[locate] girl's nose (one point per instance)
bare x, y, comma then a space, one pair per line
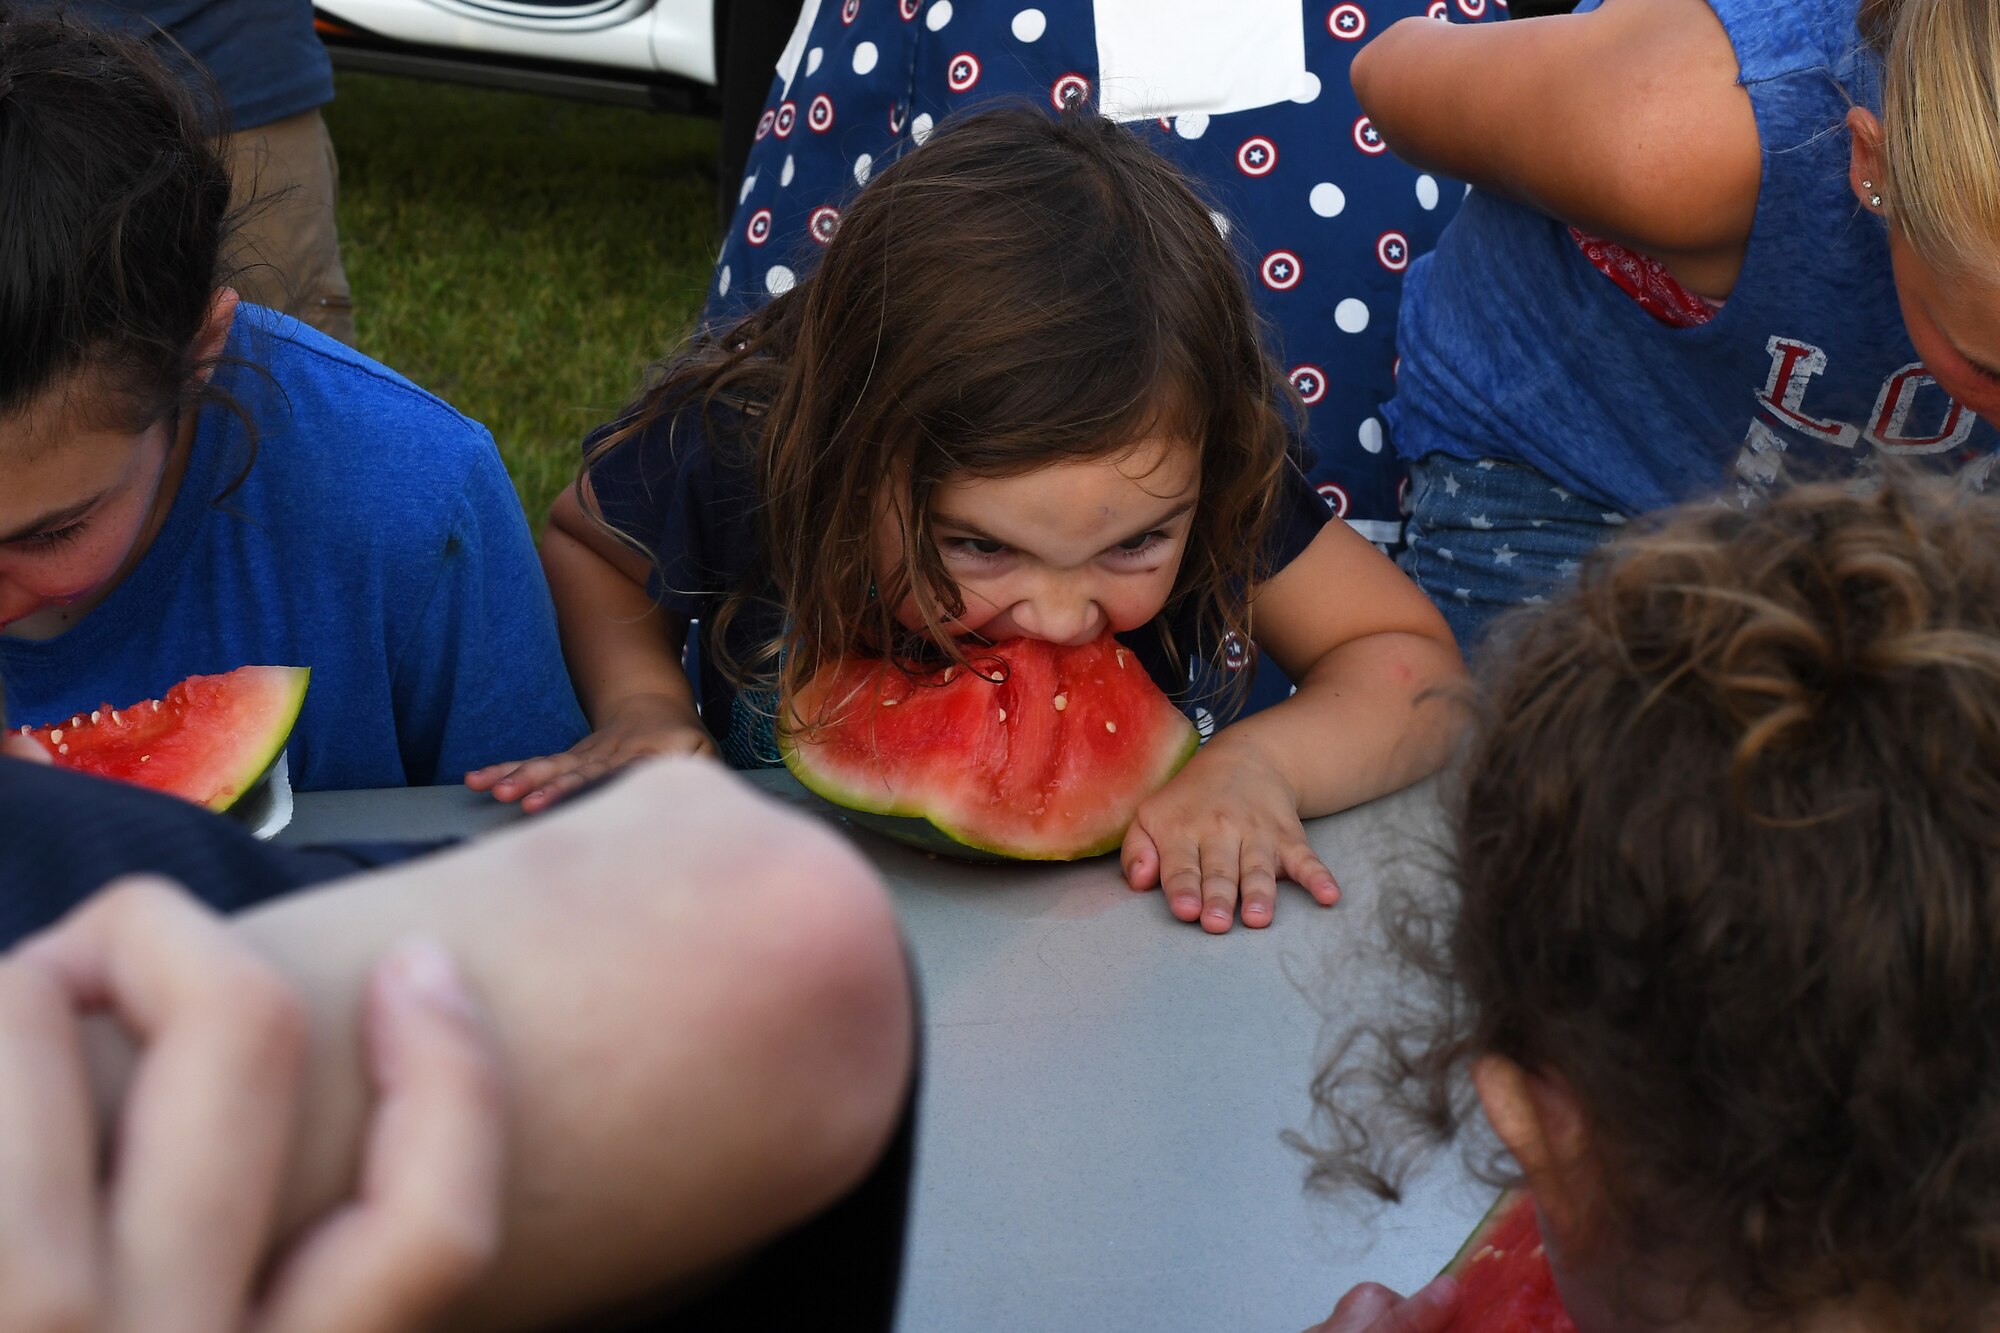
1067, 621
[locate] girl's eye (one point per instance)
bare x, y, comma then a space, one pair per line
45, 541
1143, 544
977, 547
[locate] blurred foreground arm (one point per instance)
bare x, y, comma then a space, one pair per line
701, 1013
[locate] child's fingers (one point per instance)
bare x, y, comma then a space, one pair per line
531, 775
1429, 1311
1258, 882
48, 1242
425, 1221
564, 784
1219, 869
207, 1121
1139, 858
1305, 869
1180, 876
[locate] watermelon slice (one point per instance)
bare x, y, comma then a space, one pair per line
1035, 753
1504, 1281
208, 740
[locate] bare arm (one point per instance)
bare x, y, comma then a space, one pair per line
624, 656
701, 1012
1626, 121
1367, 651
1374, 664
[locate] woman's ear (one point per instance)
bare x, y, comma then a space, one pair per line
214, 335
1539, 1121
1864, 164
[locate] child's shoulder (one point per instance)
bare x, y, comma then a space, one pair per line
347, 448
300, 385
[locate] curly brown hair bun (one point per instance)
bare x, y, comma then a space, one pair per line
1729, 844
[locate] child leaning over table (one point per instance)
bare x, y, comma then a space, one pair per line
1723, 971
1022, 395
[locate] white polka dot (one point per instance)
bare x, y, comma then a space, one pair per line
920, 129
779, 280
1191, 126
1371, 433
1221, 221
1029, 25
813, 57
749, 184
1351, 315
865, 56
1327, 199
939, 16
863, 166
722, 281
1427, 192
1308, 90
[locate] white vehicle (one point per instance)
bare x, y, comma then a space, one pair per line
660, 53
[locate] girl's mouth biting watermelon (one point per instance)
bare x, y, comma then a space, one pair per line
1034, 751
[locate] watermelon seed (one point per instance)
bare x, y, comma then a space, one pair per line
1121, 659
76, 721
1110, 725
890, 703
56, 735
144, 757
156, 705
96, 716
1003, 715
117, 719
1062, 702
62, 749
1484, 1250
949, 672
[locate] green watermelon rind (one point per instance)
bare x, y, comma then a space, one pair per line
283, 720
1489, 1223
910, 825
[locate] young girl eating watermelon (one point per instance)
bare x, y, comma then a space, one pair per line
1021, 394
1722, 970
189, 484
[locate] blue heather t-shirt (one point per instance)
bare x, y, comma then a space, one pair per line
264, 56
375, 538
693, 506
1515, 348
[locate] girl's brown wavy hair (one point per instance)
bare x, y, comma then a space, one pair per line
1729, 849
1023, 290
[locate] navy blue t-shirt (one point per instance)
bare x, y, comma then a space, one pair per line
67, 835
264, 56
693, 506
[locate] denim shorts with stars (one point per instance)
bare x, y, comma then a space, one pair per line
1484, 537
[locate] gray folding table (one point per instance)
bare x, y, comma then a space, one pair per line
1105, 1086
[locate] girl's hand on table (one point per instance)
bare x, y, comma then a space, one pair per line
162, 1219
1227, 827
1373, 1308
636, 728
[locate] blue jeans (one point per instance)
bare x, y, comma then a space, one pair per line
1486, 537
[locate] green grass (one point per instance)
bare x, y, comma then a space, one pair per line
522, 257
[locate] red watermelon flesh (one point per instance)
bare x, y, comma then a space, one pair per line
1504, 1281
1034, 752
207, 740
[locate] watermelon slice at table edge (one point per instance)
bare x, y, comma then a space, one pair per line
1504, 1281
208, 740
1035, 752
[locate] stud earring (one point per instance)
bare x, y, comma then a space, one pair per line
1874, 199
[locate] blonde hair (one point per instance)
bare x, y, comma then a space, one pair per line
1941, 127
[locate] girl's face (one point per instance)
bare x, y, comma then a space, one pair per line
1063, 552
78, 503
1955, 327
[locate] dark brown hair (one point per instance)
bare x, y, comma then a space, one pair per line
112, 219
1022, 290
1729, 849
